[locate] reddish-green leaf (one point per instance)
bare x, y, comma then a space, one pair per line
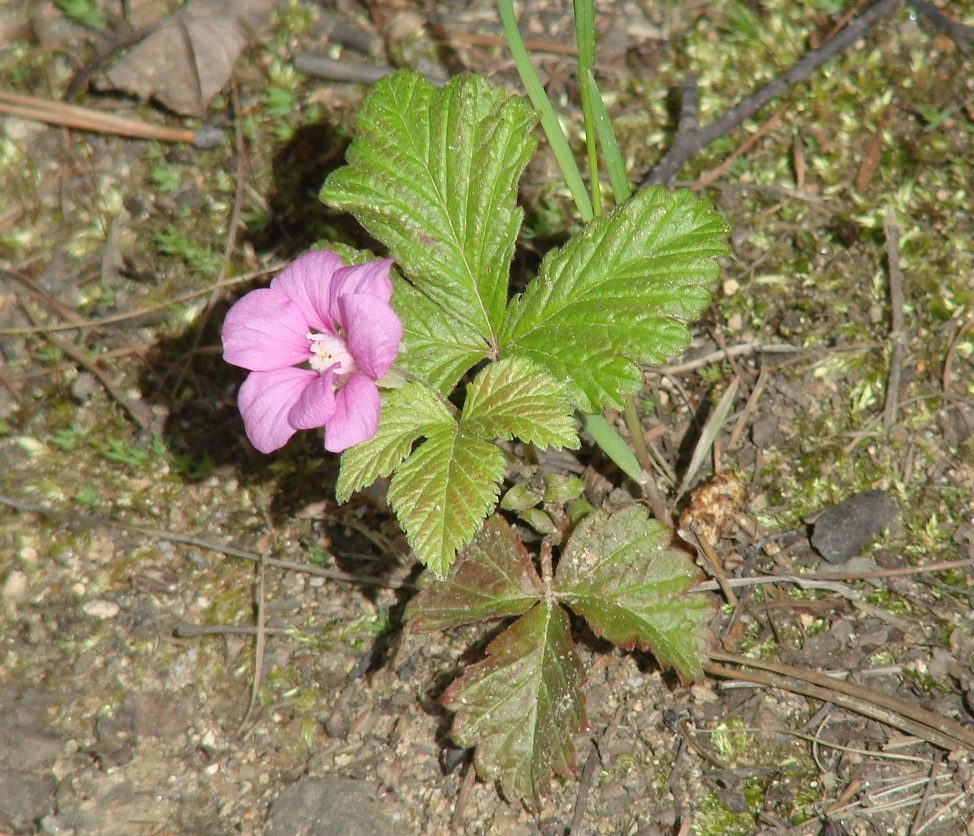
522, 704
492, 578
620, 573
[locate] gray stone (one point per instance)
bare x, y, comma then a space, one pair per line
24, 799
843, 529
330, 806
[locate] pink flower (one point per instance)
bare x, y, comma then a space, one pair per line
315, 342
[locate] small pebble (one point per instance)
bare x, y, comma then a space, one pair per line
843, 529
101, 609
15, 587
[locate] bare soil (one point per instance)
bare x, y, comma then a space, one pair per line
132, 510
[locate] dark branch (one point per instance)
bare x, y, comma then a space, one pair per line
689, 143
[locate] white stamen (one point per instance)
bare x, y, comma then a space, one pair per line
329, 350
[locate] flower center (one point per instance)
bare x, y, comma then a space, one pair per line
329, 350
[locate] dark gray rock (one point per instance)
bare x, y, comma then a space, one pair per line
330, 806
28, 750
843, 529
24, 799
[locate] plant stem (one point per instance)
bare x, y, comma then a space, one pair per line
654, 496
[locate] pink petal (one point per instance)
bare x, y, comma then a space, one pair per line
265, 330
265, 399
356, 415
370, 279
309, 281
316, 404
373, 332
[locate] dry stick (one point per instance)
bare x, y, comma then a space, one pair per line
199, 542
949, 357
927, 792
897, 334
588, 772
895, 712
688, 142
731, 351
944, 566
86, 119
957, 799
962, 35
193, 631
49, 301
469, 778
125, 317
231, 242
82, 359
259, 646
708, 177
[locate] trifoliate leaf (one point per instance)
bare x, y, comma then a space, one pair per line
433, 348
433, 175
409, 412
522, 704
514, 398
617, 295
492, 578
621, 575
443, 491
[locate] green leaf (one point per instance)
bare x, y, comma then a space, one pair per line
433, 175
492, 578
409, 412
621, 575
514, 398
433, 348
522, 704
617, 295
443, 492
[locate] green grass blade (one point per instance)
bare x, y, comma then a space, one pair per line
621, 189
613, 445
549, 121
585, 39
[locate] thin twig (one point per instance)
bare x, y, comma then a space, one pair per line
231, 242
962, 35
897, 335
259, 645
894, 712
463, 797
148, 309
915, 826
949, 356
86, 119
700, 539
90, 364
954, 801
688, 143
193, 631
798, 580
741, 350
587, 781
199, 542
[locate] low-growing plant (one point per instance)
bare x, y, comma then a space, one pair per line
433, 374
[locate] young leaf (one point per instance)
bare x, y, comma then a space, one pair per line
514, 398
407, 413
493, 578
433, 175
522, 704
622, 576
617, 295
443, 491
